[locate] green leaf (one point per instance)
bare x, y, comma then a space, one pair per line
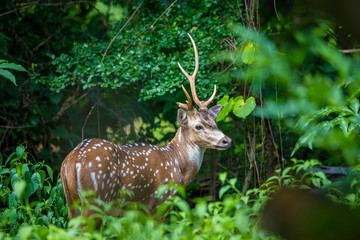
14, 179
12, 200
25, 232
242, 110
20, 151
248, 54
308, 137
351, 197
344, 124
19, 188
13, 66
50, 172
223, 101
161, 190
161, 210
222, 177
233, 181
354, 105
182, 205
181, 190
225, 111
9, 158
34, 185
8, 75
223, 190
25, 173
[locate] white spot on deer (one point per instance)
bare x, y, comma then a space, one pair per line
166, 180
171, 174
98, 159
92, 174
104, 176
78, 184
89, 164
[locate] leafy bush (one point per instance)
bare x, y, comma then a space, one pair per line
27, 193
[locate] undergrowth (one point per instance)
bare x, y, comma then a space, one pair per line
33, 206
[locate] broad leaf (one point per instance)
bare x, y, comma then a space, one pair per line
19, 188
8, 75
20, 151
34, 185
242, 110
225, 111
13, 66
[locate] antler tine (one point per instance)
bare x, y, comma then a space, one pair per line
189, 105
189, 101
204, 104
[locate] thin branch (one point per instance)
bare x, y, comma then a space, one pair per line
68, 103
16, 127
103, 18
275, 8
350, 50
46, 40
225, 70
148, 28
87, 117
112, 40
32, 4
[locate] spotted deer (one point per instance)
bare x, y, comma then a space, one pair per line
107, 168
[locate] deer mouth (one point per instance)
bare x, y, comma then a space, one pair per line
223, 144
219, 147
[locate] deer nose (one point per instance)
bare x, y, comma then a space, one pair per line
225, 142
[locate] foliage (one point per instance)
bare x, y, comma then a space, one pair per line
8, 75
323, 96
151, 70
27, 193
234, 216
238, 106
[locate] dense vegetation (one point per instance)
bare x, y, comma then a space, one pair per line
71, 70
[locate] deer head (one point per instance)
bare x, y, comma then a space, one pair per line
200, 125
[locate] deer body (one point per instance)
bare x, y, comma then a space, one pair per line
107, 168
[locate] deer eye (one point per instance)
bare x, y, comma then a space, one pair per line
198, 127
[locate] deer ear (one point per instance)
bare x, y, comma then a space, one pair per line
214, 111
182, 117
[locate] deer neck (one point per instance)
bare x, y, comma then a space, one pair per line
187, 155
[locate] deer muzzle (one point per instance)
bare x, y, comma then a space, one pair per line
224, 143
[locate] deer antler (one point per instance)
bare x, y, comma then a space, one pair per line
201, 104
